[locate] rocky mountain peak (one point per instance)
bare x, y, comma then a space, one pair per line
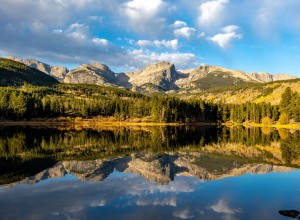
95, 67
264, 77
159, 65
93, 73
154, 77
267, 77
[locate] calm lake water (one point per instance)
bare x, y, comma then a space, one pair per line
148, 173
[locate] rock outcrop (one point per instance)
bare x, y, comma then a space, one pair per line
154, 77
206, 77
95, 73
267, 77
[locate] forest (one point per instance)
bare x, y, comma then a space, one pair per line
88, 101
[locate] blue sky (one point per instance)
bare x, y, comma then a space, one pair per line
249, 35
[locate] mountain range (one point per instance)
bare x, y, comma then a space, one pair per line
158, 77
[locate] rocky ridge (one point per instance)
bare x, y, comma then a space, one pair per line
95, 73
158, 77
266, 77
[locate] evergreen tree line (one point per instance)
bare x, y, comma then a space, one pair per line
248, 112
90, 101
286, 112
289, 106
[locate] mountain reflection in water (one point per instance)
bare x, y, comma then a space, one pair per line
148, 173
160, 168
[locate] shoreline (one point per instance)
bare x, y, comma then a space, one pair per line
99, 123
259, 125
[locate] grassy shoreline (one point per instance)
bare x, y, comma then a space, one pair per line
85, 123
260, 125
98, 122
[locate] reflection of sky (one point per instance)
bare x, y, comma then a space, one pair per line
244, 197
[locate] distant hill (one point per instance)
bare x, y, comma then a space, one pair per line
256, 92
207, 77
13, 73
267, 77
58, 72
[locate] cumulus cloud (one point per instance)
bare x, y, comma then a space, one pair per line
66, 32
100, 41
179, 24
77, 31
230, 28
222, 207
202, 34
183, 214
95, 18
224, 39
98, 203
157, 202
143, 15
212, 12
185, 32
170, 44
140, 58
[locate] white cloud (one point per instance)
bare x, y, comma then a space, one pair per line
77, 31
157, 202
185, 32
179, 24
230, 28
96, 18
57, 31
183, 214
212, 12
136, 9
140, 58
144, 15
144, 43
98, 203
171, 44
100, 41
223, 207
224, 39
202, 34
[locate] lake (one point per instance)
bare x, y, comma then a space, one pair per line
183, 172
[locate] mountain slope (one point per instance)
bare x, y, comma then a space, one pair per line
95, 73
58, 72
257, 93
13, 73
207, 77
